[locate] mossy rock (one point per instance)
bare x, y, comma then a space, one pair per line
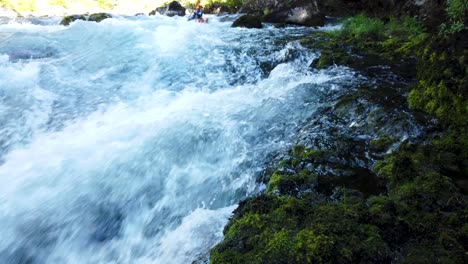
98, 17
382, 144
69, 19
421, 217
292, 184
248, 21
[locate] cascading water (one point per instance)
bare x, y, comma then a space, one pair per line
132, 140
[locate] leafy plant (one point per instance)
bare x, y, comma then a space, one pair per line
456, 12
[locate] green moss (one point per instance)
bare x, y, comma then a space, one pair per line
423, 215
308, 246
456, 11
361, 34
69, 19
442, 92
299, 232
285, 182
382, 144
422, 210
98, 17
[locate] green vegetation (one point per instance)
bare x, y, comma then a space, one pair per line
423, 215
393, 39
19, 5
382, 144
456, 11
270, 229
442, 84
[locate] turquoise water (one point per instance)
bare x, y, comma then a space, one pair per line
132, 140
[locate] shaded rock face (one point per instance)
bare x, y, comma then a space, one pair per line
174, 8
217, 10
299, 12
311, 12
431, 11
248, 21
254, 6
308, 15
69, 19
98, 17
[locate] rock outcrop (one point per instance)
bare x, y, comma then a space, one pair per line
248, 21
299, 12
312, 12
98, 17
307, 15
174, 8
69, 19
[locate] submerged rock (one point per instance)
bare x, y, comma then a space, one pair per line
29, 53
248, 21
98, 17
69, 19
174, 8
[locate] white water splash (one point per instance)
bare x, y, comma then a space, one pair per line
131, 140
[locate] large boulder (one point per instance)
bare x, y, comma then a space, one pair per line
307, 15
174, 8
248, 21
68, 19
299, 12
98, 17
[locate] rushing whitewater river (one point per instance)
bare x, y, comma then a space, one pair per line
133, 139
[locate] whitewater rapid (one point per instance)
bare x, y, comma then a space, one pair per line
133, 139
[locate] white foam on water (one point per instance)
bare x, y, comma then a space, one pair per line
132, 140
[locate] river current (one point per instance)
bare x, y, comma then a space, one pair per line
132, 140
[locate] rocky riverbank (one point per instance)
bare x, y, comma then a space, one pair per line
380, 176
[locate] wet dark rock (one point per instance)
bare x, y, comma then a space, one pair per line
430, 11
174, 8
381, 171
304, 15
69, 19
363, 181
98, 17
229, 18
29, 53
298, 12
248, 21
